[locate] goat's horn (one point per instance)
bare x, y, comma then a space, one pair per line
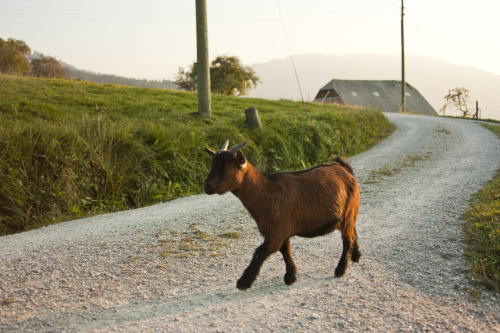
237, 147
225, 145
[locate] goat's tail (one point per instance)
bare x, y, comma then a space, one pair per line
343, 163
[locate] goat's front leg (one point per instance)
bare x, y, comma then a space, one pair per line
260, 255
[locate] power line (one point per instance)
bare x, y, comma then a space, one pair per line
291, 56
439, 55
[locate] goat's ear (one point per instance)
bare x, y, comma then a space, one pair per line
240, 158
210, 152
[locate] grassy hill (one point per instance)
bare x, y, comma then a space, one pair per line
69, 149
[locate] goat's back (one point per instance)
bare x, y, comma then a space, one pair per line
313, 200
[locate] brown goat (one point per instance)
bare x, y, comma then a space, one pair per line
307, 203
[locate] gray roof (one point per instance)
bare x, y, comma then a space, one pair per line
382, 95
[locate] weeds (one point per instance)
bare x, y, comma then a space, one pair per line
192, 242
231, 235
482, 232
397, 167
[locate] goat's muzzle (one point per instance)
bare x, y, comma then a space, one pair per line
208, 187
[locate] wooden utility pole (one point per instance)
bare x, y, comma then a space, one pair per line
403, 80
203, 65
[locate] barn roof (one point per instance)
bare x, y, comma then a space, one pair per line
382, 95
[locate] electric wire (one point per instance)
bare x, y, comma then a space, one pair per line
291, 57
439, 56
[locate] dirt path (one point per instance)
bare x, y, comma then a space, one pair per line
173, 267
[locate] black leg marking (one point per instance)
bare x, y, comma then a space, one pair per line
356, 253
291, 270
251, 272
343, 262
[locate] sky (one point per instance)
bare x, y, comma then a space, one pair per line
151, 39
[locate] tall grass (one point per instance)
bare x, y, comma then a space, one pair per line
482, 231
70, 149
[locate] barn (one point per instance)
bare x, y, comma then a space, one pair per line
382, 95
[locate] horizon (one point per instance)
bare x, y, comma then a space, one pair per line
152, 39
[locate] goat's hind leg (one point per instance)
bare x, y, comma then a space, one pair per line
355, 253
291, 269
344, 258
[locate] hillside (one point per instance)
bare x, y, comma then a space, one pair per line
79, 74
430, 76
85, 75
69, 148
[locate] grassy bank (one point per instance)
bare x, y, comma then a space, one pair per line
482, 232
69, 149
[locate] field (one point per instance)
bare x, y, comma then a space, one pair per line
70, 149
482, 232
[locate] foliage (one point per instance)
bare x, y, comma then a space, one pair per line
14, 57
227, 77
84, 75
187, 79
48, 67
482, 231
15, 60
458, 99
69, 149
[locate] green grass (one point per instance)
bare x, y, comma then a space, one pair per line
482, 232
70, 149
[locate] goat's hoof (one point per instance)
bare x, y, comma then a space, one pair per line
290, 279
339, 271
242, 288
242, 284
355, 256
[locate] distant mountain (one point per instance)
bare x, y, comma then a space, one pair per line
430, 76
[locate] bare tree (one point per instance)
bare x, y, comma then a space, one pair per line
458, 99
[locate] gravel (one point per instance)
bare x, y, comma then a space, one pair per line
174, 266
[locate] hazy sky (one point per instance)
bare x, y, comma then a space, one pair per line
152, 38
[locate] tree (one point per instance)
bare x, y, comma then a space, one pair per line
230, 77
458, 99
227, 76
14, 57
49, 67
186, 78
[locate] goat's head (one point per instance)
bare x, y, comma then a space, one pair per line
228, 169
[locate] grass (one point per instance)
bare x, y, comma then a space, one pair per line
482, 232
70, 149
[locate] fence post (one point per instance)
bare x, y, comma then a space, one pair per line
252, 118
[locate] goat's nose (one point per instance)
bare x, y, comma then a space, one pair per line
208, 187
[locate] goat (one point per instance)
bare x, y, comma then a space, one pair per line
307, 203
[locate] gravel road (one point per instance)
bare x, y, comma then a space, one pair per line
173, 266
